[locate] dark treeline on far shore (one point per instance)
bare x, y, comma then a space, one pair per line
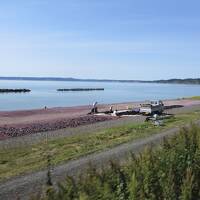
180, 81
172, 81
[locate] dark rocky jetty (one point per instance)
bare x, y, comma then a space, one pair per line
14, 90
79, 89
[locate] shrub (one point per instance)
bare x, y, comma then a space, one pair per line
171, 171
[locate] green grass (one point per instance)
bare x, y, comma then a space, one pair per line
17, 161
194, 98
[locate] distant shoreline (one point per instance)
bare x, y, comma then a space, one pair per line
169, 81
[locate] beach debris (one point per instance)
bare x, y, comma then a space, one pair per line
94, 109
124, 112
158, 122
173, 106
115, 113
159, 117
155, 120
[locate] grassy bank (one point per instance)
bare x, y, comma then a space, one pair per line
193, 98
169, 172
16, 161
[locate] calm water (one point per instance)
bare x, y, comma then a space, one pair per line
44, 93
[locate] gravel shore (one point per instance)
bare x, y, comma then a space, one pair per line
19, 123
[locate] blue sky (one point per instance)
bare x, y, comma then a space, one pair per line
117, 39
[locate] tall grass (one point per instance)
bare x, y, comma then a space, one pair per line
171, 171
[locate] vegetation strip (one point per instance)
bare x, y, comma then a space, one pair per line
194, 98
169, 172
16, 161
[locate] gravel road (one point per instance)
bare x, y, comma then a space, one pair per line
22, 187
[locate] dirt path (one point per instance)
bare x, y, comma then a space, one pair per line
24, 186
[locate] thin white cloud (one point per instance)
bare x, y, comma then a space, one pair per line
97, 46
60, 41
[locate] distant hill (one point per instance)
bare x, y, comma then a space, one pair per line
171, 81
180, 81
66, 79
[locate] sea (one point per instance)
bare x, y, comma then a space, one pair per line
44, 93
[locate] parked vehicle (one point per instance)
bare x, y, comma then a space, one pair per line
153, 107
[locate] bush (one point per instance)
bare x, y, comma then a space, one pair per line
171, 171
